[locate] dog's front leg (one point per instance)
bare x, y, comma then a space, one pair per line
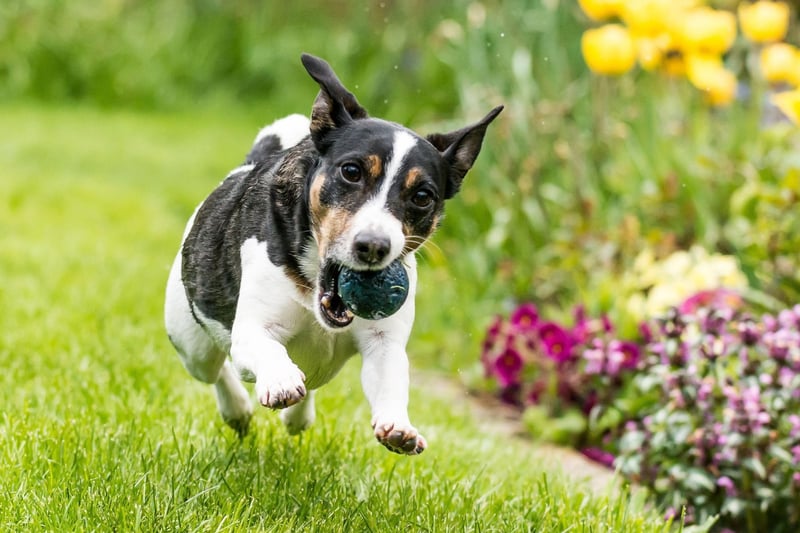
259, 357
264, 323
384, 378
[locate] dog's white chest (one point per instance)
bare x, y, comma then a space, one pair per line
318, 353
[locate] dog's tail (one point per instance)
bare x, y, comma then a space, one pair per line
280, 135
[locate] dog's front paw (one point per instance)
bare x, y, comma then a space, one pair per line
281, 388
399, 438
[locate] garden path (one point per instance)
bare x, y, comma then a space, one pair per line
491, 415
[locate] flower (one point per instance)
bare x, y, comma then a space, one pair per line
789, 104
780, 63
711, 298
507, 367
599, 456
709, 75
602, 9
764, 21
647, 17
706, 30
630, 353
727, 483
525, 316
608, 49
556, 341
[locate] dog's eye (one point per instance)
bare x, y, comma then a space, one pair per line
422, 198
351, 172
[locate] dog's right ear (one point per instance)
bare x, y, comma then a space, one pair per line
334, 107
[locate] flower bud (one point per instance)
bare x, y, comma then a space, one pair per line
608, 49
764, 21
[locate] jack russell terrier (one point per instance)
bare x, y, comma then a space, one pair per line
256, 275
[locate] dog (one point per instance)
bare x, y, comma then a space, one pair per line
252, 294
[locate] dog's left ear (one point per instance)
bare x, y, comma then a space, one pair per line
334, 107
460, 148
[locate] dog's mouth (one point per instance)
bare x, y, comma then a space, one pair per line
331, 305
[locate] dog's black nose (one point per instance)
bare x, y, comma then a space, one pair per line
371, 248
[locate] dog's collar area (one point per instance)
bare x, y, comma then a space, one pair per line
331, 305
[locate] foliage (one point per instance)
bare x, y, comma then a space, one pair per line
702, 410
720, 431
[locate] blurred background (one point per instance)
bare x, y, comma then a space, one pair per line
580, 175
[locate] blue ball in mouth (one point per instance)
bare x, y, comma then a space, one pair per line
374, 294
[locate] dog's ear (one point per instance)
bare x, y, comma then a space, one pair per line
335, 106
460, 148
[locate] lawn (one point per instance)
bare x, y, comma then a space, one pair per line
102, 429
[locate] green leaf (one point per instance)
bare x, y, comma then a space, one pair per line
756, 466
699, 480
734, 506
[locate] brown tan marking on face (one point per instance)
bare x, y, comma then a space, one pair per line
335, 222
412, 177
317, 209
374, 166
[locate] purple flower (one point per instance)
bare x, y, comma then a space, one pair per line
631, 354
795, 454
595, 359
794, 420
507, 367
727, 483
599, 456
748, 331
787, 319
557, 342
525, 317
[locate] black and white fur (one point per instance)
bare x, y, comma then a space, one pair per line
255, 278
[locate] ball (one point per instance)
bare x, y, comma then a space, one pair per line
374, 294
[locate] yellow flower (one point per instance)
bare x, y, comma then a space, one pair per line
789, 103
650, 52
764, 21
608, 49
674, 63
707, 30
647, 17
602, 9
780, 62
709, 75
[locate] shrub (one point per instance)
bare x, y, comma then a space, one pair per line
559, 373
704, 411
720, 432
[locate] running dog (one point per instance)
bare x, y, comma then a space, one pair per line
252, 294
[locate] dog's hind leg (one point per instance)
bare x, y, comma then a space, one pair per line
300, 416
202, 357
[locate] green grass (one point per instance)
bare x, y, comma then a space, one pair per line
102, 429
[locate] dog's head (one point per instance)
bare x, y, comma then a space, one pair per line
379, 189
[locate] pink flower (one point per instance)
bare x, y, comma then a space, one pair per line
557, 342
712, 298
525, 317
599, 456
631, 354
727, 483
507, 367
